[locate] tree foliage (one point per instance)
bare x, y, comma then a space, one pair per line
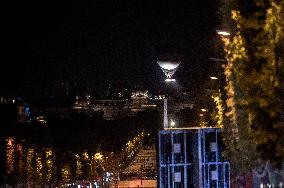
253, 83
72, 147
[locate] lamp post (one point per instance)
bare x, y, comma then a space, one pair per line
223, 33
218, 77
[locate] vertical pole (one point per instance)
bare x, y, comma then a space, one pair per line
166, 122
160, 160
224, 174
229, 175
200, 180
185, 166
141, 169
168, 163
172, 161
216, 157
204, 162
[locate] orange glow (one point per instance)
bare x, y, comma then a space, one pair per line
10, 155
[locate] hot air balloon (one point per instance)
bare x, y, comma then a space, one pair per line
169, 68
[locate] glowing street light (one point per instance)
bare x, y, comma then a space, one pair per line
213, 78
223, 33
173, 123
203, 110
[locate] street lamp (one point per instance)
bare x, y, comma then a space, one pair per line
213, 78
223, 33
173, 123
220, 63
202, 118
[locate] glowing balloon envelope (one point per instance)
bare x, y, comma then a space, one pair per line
169, 68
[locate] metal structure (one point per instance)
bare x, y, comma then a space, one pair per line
192, 157
166, 120
169, 68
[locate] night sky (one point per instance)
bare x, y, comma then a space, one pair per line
93, 43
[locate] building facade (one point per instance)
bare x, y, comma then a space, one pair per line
192, 157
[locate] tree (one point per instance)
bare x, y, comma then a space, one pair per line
252, 83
